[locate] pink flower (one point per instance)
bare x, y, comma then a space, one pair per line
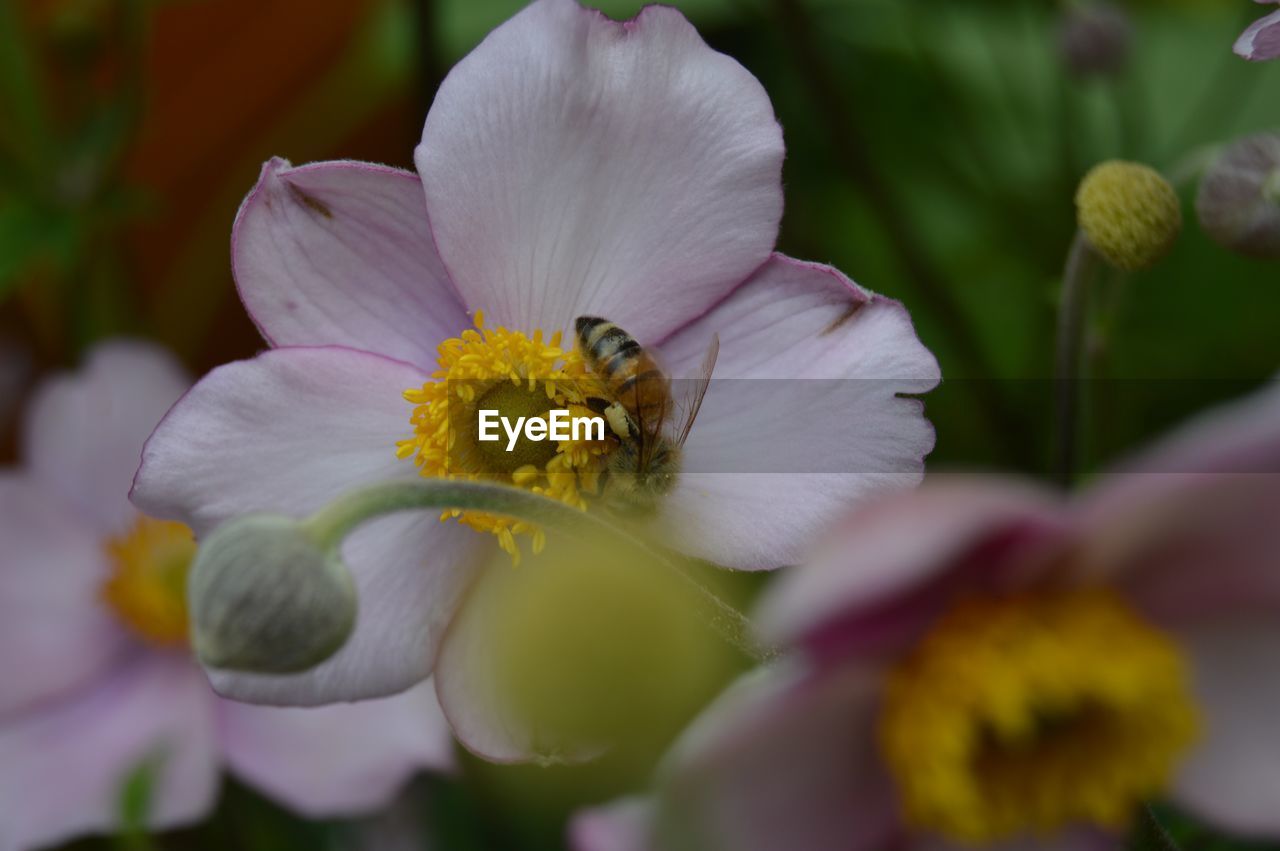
571, 165
97, 678
1261, 41
980, 662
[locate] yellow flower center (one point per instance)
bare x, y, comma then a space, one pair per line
1028, 713
517, 376
148, 584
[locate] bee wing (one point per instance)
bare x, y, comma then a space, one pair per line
695, 395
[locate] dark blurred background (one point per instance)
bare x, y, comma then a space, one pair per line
934, 147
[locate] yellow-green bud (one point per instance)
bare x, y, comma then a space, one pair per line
1129, 213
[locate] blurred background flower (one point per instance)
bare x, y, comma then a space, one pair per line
106, 722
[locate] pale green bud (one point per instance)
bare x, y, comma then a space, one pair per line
267, 597
1239, 199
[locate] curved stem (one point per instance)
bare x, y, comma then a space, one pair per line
1081, 262
332, 523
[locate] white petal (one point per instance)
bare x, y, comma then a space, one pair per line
340, 253
340, 760
575, 165
803, 418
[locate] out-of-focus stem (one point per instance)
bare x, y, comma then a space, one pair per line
1157, 837
1076, 279
332, 523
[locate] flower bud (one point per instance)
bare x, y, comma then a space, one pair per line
1239, 199
265, 597
1129, 213
1094, 39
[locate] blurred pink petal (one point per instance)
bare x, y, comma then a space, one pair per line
884, 572
341, 760
1187, 532
63, 768
1233, 776
781, 761
1261, 41
760, 481
1206, 494
307, 424
84, 431
55, 633
577, 165
340, 253
621, 825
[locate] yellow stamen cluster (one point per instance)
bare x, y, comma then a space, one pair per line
148, 584
517, 375
1028, 713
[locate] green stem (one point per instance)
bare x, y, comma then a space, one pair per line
1076, 278
332, 523
1152, 834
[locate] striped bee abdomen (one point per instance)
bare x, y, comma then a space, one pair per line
630, 373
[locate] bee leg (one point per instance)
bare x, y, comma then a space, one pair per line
620, 421
597, 405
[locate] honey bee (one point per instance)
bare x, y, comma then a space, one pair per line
641, 408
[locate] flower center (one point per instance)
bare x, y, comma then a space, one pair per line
148, 584
1032, 712
517, 376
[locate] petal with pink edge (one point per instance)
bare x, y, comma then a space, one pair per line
804, 416
340, 760
84, 430
340, 253
577, 165
55, 631
1233, 776
1189, 526
780, 761
1261, 41
884, 571
63, 768
287, 432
